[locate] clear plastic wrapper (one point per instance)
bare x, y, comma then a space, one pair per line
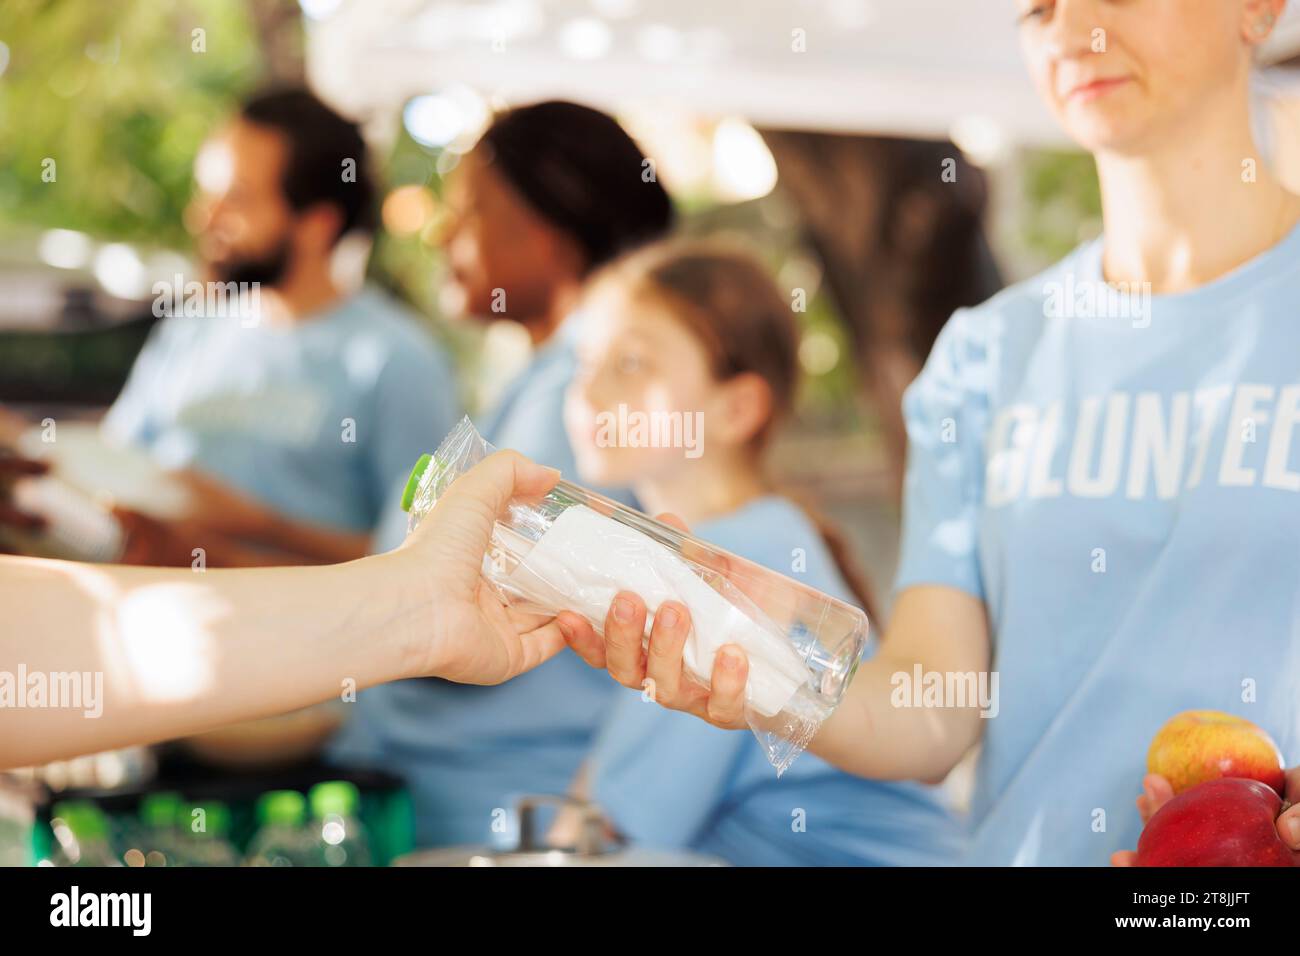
574, 549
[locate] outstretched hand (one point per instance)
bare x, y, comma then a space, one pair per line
1157, 791
476, 638
658, 669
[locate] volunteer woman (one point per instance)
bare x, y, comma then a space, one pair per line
181, 652
1103, 496
549, 193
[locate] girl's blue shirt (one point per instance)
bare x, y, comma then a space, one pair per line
669, 780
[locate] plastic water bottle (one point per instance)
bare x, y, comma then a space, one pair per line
157, 841
282, 839
205, 841
341, 837
17, 816
81, 830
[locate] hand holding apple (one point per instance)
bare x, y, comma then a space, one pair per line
1228, 822
1158, 791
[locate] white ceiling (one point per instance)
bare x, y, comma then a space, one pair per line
885, 66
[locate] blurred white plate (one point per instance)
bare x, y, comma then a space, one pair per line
82, 457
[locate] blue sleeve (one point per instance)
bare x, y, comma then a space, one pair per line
946, 413
127, 419
660, 776
416, 405
532, 419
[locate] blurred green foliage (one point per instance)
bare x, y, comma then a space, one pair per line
116, 94
1061, 202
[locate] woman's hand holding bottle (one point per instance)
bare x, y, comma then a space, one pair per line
658, 669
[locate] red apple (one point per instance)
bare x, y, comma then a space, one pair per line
1227, 822
1200, 745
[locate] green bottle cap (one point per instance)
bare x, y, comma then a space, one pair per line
161, 809
216, 820
282, 806
334, 796
83, 818
413, 483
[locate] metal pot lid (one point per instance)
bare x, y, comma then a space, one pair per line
591, 849
486, 856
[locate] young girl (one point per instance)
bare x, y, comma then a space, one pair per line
1103, 493
697, 329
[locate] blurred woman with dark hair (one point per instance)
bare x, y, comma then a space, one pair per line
550, 192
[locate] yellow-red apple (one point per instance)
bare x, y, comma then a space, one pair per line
1200, 745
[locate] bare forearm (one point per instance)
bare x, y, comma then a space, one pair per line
869, 736
176, 652
914, 709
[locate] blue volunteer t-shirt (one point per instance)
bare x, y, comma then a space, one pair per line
668, 780
320, 419
1117, 477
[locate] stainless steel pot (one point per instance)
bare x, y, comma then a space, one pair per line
591, 848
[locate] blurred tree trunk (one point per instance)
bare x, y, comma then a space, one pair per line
834, 182
902, 247
279, 29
